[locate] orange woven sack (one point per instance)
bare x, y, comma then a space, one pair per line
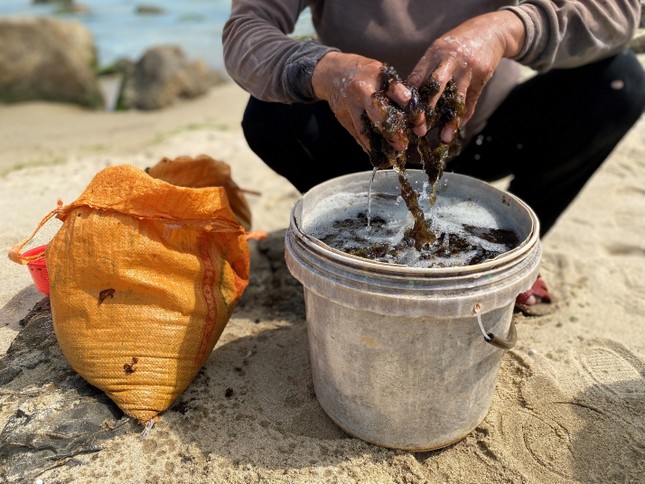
144, 276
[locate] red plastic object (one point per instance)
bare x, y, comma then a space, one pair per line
38, 269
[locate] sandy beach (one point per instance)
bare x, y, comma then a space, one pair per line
569, 404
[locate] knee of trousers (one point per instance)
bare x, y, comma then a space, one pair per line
627, 79
262, 121
252, 124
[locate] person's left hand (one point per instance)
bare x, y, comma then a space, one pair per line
468, 54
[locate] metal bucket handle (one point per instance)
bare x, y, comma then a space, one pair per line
497, 341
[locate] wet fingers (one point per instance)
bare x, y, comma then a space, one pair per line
453, 107
389, 120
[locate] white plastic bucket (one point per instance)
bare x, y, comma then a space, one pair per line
397, 353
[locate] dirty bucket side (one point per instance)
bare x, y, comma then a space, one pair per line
415, 384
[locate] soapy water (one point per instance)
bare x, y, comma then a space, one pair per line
467, 233
369, 201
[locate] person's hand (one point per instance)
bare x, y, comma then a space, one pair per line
469, 54
347, 82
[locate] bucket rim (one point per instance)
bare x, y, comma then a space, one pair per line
402, 270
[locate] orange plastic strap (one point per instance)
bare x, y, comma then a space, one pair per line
255, 235
15, 253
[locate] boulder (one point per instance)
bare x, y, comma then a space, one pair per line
48, 59
72, 9
149, 10
163, 75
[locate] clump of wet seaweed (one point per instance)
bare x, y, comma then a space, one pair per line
430, 150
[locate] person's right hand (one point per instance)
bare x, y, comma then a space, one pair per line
347, 82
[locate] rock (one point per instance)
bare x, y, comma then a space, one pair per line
122, 66
50, 415
149, 10
163, 75
48, 59
65, 6
72, 8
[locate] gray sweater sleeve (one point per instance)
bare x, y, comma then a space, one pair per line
260, 57
570, 33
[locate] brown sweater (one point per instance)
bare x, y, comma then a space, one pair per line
265, 62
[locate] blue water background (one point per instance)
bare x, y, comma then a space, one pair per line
196, 25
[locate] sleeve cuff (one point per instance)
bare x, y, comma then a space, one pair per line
299, 72
537, 32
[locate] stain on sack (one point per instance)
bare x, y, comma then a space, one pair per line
129, 367
104, 294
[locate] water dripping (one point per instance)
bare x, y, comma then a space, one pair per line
446, 242
425, 195
369, 202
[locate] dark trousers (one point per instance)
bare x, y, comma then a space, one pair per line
551, 133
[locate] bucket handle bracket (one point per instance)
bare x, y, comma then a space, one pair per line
497, 341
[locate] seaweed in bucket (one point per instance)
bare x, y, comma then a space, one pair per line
461, 244
400, 121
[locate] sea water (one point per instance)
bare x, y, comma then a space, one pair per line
467, 232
